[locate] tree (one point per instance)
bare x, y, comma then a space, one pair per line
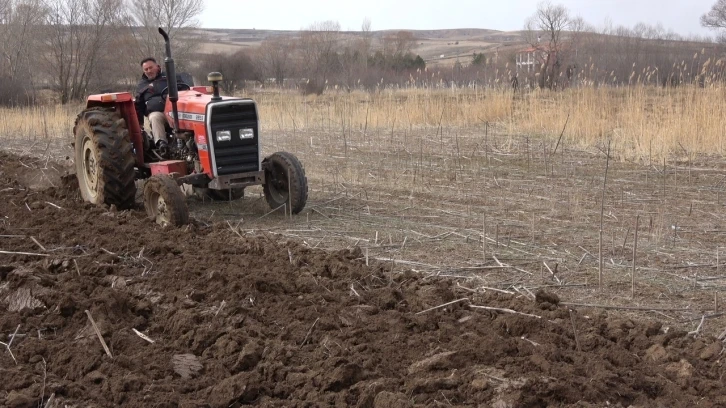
175, 17
5, 6
78, 35
545, 32
354, 56
397, 53
318, 46
398, 44
367, 37
716, 17
274, 59
397, 64
19, 24
235, 69
19, 30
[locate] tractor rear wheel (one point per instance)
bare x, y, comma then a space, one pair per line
285, 182
164, 201
104, 158
220, 195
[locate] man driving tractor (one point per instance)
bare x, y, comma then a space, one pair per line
210, 142
150, 101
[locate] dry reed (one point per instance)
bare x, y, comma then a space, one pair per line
642, 122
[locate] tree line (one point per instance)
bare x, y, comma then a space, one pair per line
571, 52
319, 57
566, 51
70, 48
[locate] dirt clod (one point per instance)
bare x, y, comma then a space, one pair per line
20, 400
186, 365
542, 296
386, 399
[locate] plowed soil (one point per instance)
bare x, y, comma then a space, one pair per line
232, 321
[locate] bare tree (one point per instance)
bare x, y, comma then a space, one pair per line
5, 19
353, 57
318, 47
365, 27
399, 43
19, 26
78, 35
235, 68
5, 12
645, 54
174, 16
20, 22
274, 59
352, 63
716, 18
546, 32
395, 55
365, 45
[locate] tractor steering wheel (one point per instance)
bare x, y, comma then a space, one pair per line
180, 86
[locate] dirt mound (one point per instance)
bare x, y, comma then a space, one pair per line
205, 317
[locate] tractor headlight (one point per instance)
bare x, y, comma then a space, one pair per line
246, 133
224, 135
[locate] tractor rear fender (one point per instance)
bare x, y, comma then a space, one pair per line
123, 103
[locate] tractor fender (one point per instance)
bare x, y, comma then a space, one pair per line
123, 103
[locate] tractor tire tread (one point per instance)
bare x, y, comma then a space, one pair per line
298, 181
116, 157
175, 201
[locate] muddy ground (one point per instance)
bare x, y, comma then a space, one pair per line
202, 316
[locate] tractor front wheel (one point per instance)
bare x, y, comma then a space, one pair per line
285, 182
104, 159
164, 201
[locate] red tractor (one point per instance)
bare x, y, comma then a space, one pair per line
214, 146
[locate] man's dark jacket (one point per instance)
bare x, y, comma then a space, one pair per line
148, 96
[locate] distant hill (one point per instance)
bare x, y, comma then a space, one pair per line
439, 48
436, 47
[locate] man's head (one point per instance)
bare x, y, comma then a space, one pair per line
150, 67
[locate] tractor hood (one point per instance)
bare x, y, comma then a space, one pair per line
194, 102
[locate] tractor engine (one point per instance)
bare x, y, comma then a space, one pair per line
182, 147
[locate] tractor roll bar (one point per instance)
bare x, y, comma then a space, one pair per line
171, 79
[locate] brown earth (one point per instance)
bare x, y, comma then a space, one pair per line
267, 321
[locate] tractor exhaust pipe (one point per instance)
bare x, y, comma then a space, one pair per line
171, 79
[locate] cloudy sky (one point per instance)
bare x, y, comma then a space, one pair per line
682, 16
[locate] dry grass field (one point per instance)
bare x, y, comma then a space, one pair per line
486, 187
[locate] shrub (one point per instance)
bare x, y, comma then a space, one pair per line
15, 93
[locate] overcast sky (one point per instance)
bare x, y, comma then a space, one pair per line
682, 16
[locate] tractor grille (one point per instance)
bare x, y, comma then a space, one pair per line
236, 155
